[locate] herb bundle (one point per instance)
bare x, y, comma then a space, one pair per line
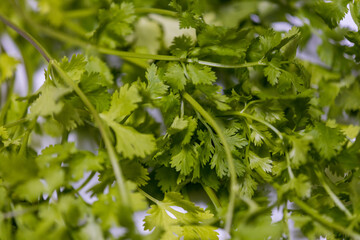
180, 100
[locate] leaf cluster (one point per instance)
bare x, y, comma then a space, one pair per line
151, 105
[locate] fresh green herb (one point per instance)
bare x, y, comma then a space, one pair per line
220, 108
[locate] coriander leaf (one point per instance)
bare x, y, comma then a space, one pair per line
155, 86
263, 45
175, 77
259, 134
326, 140
272, 72
3, 133
7, 66
185, 224
185, 128
114, 24
123, 103
215, 95
96, 65
200, 74
48, 103
69, 116
82, 162
135, 172
93, 85
130, 142
15, 169
257, 162
206, 148
178, 125
167, 178
300, 184
261, 227
30, 190
271, 111
286, 80
299, 151
248, 186
170, 107
184, 159
75, 67
328, 92
181, 46
332, 12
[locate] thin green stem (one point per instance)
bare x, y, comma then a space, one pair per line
332, 195
156, 11
125, 198
24, 144
129, 55
220, 65
286, 220
329, 224
28, 37
9, 92
88, 179
83, 13
249, 104
16, 123
148, 196
75, 41
211, 194
229, 158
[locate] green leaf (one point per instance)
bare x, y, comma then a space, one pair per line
15, 169
332, 12
167, 178
299, 152
75, 67
327, 140
49, 103
190, 224
200, 74
7, 66
93, 85
272, 72
215, 95
259, 134
258, 162
96, 65
114, 24
300, 185
129, 142
123, 103
175, 77
248, 187
184, 127
184, 159
83, 162
135, 172
30, 190
181, 45
155, 86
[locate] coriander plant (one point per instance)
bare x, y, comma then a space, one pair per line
182, 101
